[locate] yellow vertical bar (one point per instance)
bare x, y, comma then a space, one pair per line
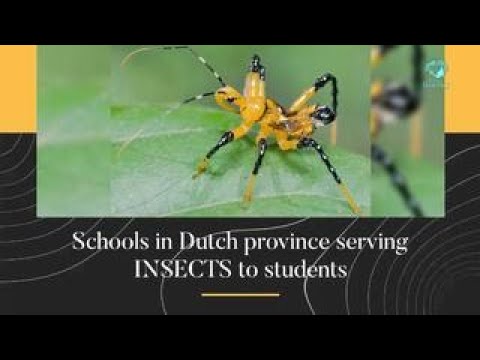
18, 88
462, 113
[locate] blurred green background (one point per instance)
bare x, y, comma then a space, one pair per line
73, 145
425, 174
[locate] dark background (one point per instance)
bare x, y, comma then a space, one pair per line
40, 274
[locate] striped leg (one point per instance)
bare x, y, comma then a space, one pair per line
226, 139
311, 143
398, 181
262, 149
202, 60
320, 83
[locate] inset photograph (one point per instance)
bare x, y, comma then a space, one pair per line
407, 130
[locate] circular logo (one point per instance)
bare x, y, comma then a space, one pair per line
436, 68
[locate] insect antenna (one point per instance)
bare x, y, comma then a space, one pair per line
135, 136
188, 101
201, 59
129, 57
313, 144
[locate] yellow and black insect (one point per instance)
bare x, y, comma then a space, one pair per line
292, 128
392, 102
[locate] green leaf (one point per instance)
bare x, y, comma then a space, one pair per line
155, 154
73, 152
73, 170
426, 182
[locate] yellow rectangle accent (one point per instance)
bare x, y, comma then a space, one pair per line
240, 295
18, 88
462, 114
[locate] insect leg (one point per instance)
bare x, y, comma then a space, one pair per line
379, 52
262, 149
311, 143
257, 67
320, 83
324, 80
398, 181
226, 139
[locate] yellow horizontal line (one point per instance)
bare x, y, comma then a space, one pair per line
240, 295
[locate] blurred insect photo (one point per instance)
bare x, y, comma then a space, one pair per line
206, 131
406, 125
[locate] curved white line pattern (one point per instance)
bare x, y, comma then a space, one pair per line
12, 148
414, 254
465, 254
428, 241
372, 273
462, 152
14, 197
430, 265
10, 211
31, 222
16, 182
51, 252
352, 267
26, 157
65, 270
435, 248
460, 275
448, 271
39, 236
21, 162
389, 272
305, 282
